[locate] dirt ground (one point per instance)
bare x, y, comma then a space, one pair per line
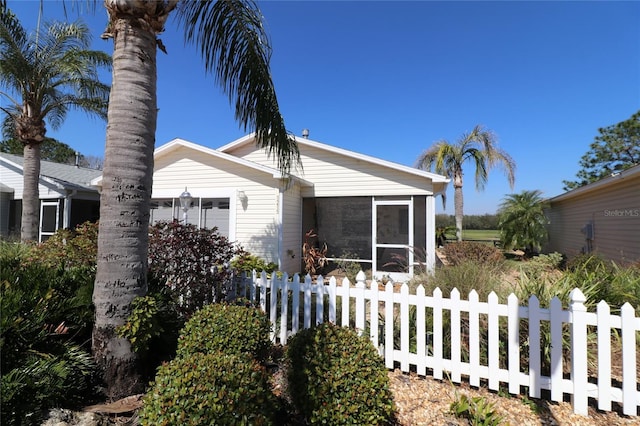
426, 401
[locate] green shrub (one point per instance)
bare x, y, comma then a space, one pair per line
246, 262
463, 251
227, 328
587, 263
13, 254
337, 377
45, 325
69, 248
191, 262
210, 389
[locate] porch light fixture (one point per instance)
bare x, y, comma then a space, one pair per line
185, 203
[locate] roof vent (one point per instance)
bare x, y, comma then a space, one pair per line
305, 133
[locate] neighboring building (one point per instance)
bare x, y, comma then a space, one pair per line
67, 197
362, 207
602, 218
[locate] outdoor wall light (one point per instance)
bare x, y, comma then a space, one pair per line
185, 203
242, 196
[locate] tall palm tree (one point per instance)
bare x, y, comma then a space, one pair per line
522, 221
479, 147
231, 38
44, 75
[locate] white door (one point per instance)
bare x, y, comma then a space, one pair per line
49, 219
392, 238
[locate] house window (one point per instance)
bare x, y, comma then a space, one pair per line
204, 212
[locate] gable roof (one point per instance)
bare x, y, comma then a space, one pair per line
598, 185
179, 143
435, 178
65, 176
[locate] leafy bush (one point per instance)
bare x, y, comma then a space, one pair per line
69, 248
337, 377
464, 251
247, 262
45, 323
226, 328
192, 262
142, 325
207, 389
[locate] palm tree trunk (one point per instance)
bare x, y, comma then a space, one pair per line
457, 201
30, 221
124, 203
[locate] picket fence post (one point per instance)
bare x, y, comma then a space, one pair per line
557, 366
388, 326
437, 334
629, 366
474, 339
535, 363
295, 304
604, 356
493, 322
579, 351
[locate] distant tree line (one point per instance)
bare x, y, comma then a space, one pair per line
484, 221
55, 151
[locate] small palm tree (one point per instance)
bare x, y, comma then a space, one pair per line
479, 147
43, 75
522, 221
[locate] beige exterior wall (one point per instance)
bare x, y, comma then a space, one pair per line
255, 218
292, 230
335, 175
614, 212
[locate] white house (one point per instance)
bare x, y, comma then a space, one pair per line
67, 197
364, 208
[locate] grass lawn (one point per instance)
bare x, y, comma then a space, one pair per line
480, 234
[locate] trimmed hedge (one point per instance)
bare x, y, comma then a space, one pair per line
337, 377
210, 389
222, 327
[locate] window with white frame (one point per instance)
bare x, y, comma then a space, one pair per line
204, 212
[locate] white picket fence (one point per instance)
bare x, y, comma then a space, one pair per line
297, 304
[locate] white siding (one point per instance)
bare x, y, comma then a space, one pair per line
292, 230
210, 177
12, 177
335, 175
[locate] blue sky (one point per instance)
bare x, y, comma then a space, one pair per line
388, 79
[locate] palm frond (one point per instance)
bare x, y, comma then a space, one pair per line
236, 49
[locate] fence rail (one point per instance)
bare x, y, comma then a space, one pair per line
486, 341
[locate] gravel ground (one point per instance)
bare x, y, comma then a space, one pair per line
426, 401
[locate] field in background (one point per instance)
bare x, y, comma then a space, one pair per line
480, 234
